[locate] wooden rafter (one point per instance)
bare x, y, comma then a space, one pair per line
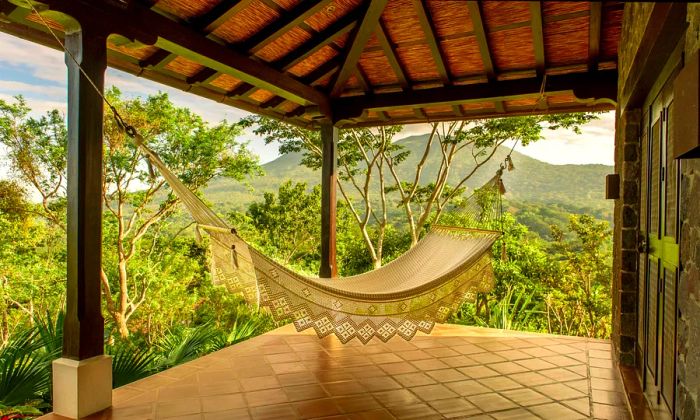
537, 36
599, 86
594, 35
286, 22
318, 41
219, 14
391, 55
483, 42
356, 44
429, 30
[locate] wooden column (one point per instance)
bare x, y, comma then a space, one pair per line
83, 331
329, 173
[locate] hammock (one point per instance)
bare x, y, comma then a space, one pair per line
423, 286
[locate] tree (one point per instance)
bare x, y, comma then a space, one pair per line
372, 165
136, 200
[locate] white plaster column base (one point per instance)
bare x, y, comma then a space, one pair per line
82, 387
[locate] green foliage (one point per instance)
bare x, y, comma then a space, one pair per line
131, 363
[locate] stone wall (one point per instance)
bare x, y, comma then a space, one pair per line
688, 366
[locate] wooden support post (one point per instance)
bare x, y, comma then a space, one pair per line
83, 377
329, 173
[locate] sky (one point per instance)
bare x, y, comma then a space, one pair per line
39, 74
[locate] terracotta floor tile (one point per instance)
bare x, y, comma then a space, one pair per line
219, 388
344, 388
413, 355
513, 354
579, 369
600, 354
525, 397
507, 368
560, 360
290, 367
265, 397
601, 363
282, 357
274, 412
222, 402
446, 375
530, 378
555, 411
398, 368
305, 392
385, 358
535, 364
468, 387
582, 405
259, 382
181, 407
500, 383
429, 364
458, 361
396, 397
558, 392
317, 408
478, 371
141, 411
491, 402
379, 384
562, 349
332, 375
433, 392
485, 358
297, 378
468, 349
609, 412
495, 346
538, 352
356, 403
454, 407
514, 414
560, 374
414, 411
253, 371
240, 413
377, 414
408, 380
606, 384
608, 397
171, 393
442, 352
604, 373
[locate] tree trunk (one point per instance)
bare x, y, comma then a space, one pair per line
120, 321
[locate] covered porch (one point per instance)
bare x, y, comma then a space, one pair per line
456, 372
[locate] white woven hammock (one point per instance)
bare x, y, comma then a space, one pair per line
424, 286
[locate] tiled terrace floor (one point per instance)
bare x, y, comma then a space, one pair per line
457, 371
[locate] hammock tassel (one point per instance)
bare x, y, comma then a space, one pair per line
509, 162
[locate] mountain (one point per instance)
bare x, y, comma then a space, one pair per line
575, 188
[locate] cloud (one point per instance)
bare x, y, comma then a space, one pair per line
41, 62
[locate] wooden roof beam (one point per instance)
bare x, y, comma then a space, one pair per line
286, 22
428, 28
483, 42
594, 27
601, 86
318, 41
537, 36
357, 42
391, 55
219, 14
140, 23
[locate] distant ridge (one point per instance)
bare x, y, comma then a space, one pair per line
533, 181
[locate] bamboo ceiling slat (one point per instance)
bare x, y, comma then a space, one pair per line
352, 83
438, 110
282, 45
342, 39
401, 22
184, 66
500, 13
398, 113
32, 17
226, 82
331, 13
450, 17
575, 68
556, 8
610, 36
139, 53
373, 41
288, 106
418, 62
288, 4
247, 22
186, 9
261, 95
462, 56
563, 98
473, 106
313, 61
566, 41
377, 68
512, 49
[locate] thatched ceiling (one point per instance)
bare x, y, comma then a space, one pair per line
357, 62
